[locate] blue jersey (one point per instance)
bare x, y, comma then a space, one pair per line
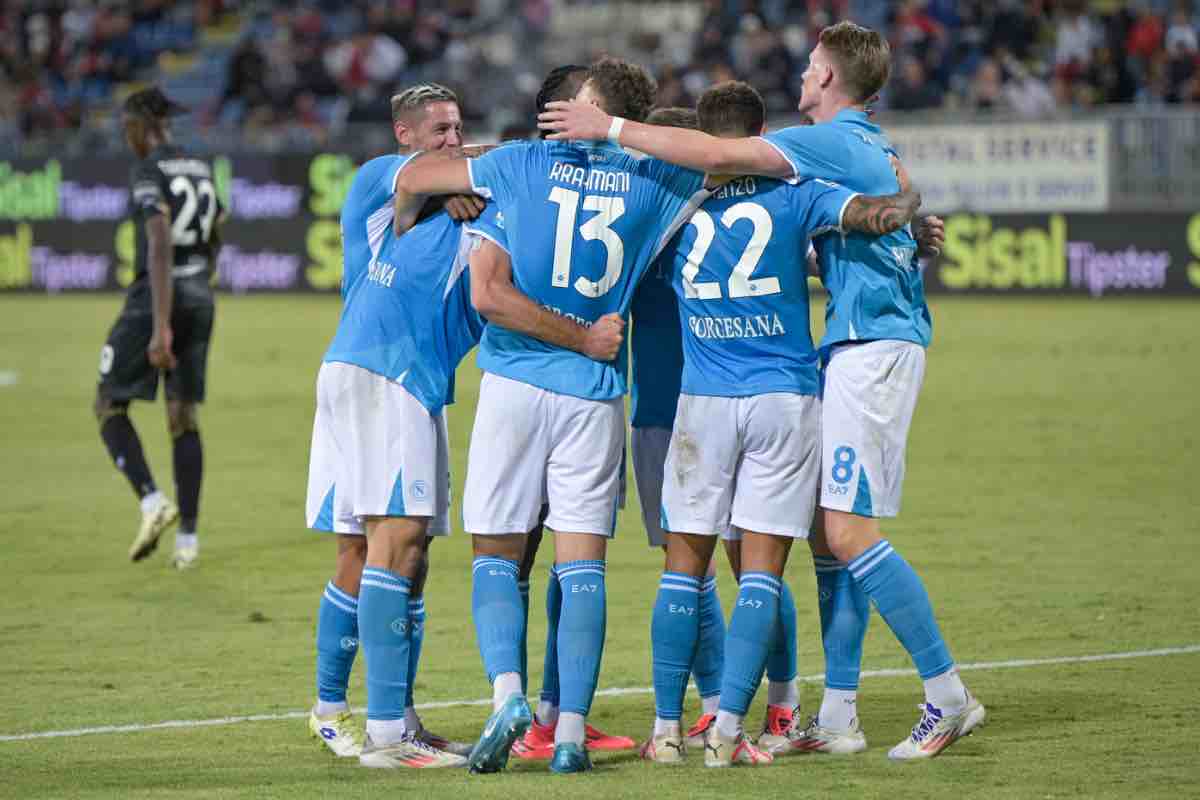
875, 287
408, 315
367, 216
656, 347
742, 281
583, 223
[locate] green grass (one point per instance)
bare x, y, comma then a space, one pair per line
1051, 506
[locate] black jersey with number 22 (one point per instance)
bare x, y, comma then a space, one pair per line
167, 179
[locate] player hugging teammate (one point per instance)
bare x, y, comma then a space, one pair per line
607, 213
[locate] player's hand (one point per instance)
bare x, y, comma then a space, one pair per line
931, 235
571, 119
159, 350
604, 339
465, 207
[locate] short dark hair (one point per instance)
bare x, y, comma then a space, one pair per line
862, 57
415, 98
625, 89
151, 104
674, 117
562, 83
731, 107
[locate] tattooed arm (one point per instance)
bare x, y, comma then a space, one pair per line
880, 215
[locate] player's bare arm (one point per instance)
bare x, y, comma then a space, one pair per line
439, 172
688, 148
158, 252
880, 215
495, 297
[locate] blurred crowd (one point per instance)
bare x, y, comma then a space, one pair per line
299, 72
1024, 57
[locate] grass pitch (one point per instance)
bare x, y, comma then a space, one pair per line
1051, 506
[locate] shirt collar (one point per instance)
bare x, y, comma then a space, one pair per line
856, 119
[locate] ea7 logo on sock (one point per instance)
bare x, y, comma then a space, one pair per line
687, 610
349, 643
585, 587
749, 602
399, 626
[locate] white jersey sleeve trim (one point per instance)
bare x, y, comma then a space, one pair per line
685, 213
461, 259
795, 178
485, 235
482, 191
841, 226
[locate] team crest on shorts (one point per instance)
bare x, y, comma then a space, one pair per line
349, 643
419, 489
399, 626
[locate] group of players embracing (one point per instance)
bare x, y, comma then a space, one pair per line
705, 228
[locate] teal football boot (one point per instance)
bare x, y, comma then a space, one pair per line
570, 757
505, 726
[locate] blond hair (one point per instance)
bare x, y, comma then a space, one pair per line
862, 58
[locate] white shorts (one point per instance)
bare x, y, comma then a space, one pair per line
532, 447
376, 452
649, 450
750, 462
868, 402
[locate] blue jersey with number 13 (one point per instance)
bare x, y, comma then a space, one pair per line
583, 223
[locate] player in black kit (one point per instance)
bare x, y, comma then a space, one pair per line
166, 322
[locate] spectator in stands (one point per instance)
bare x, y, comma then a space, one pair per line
300, 71
1026, 93
914, 91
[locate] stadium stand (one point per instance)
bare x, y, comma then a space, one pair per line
278, 76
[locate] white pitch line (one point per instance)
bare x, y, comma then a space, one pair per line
871, 673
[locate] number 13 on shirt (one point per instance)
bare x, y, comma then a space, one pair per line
597, 228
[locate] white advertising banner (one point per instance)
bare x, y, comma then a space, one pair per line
1030, 167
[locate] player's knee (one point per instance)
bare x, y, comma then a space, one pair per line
846, 535
181, 418
510, 547
103, 408
351, 558
397, 544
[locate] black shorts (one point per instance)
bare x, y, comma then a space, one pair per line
125, 371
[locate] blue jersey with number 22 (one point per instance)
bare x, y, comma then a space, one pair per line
583, 222
742, 280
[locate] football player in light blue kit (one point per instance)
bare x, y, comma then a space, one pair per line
746, 445
583, 224
656, 355
877, 328
424, 116
380, 460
